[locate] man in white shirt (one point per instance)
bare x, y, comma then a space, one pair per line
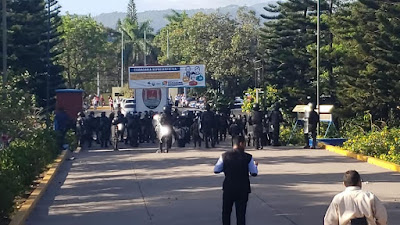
355, 206
237, 166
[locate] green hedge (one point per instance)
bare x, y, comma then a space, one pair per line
384, 144
21, 163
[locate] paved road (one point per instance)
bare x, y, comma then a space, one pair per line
140, 187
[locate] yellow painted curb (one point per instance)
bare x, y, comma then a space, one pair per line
368, 159
384, 164
28, 206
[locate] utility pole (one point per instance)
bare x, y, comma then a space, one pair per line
167, 44
122, 59
48, 65
4, 25
318, 54
145, 50
257, 76
98, 81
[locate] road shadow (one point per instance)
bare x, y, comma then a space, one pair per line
142, 187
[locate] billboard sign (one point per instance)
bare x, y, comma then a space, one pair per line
167, 76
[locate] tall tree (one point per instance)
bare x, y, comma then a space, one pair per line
132, 13
369, 36
33, 31
138, 39
227, 47
86, 51
284, 39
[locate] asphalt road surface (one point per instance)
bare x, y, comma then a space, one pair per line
140, 187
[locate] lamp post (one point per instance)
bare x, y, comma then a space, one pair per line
48, 64
318, 52
167, 44
122, 58
4, 25
257, 76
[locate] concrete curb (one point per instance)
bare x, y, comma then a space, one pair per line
28, 206
368, 159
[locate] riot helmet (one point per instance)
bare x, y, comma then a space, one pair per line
81, 114
167, 109
256, 107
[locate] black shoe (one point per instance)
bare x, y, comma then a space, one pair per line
306, 147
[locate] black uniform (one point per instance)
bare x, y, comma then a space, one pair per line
91, 127
276, 118
133, 128
104, 130
167, 120
207, 126
313, 121
223, 127
195, 133
80, 129
257, 121
234, 130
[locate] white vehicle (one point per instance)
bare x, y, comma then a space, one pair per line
127, 101
128, 108
238, 102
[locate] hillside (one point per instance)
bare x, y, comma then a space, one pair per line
158, 20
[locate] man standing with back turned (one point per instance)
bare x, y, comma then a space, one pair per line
354, 206
237, 165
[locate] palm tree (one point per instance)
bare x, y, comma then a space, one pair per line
136, 47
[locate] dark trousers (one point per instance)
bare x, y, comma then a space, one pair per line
196, 140
240, 201
313, 136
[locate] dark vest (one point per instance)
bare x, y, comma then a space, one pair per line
236, 169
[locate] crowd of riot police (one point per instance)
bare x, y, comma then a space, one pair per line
195, 127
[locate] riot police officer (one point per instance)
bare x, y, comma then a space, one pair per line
257, 121
166, 120
120, 119
91, 127
313, 121
223, 126
195, 132
207, 125
104, 130
133, 129
80, 129
276, 118
234, 129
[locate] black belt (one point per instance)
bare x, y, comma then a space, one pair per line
359, 221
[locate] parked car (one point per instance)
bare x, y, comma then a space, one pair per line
191, 102
200, 105
128, 108
128, 101
238, 102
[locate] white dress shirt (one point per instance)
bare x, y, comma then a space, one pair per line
355, 203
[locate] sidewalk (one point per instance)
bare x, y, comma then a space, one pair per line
137, 186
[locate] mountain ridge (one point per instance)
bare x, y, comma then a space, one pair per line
157, 17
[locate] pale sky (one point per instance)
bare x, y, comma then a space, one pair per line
96, 7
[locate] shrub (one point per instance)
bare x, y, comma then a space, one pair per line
71, 140
297, 136
384, 144
21, 163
